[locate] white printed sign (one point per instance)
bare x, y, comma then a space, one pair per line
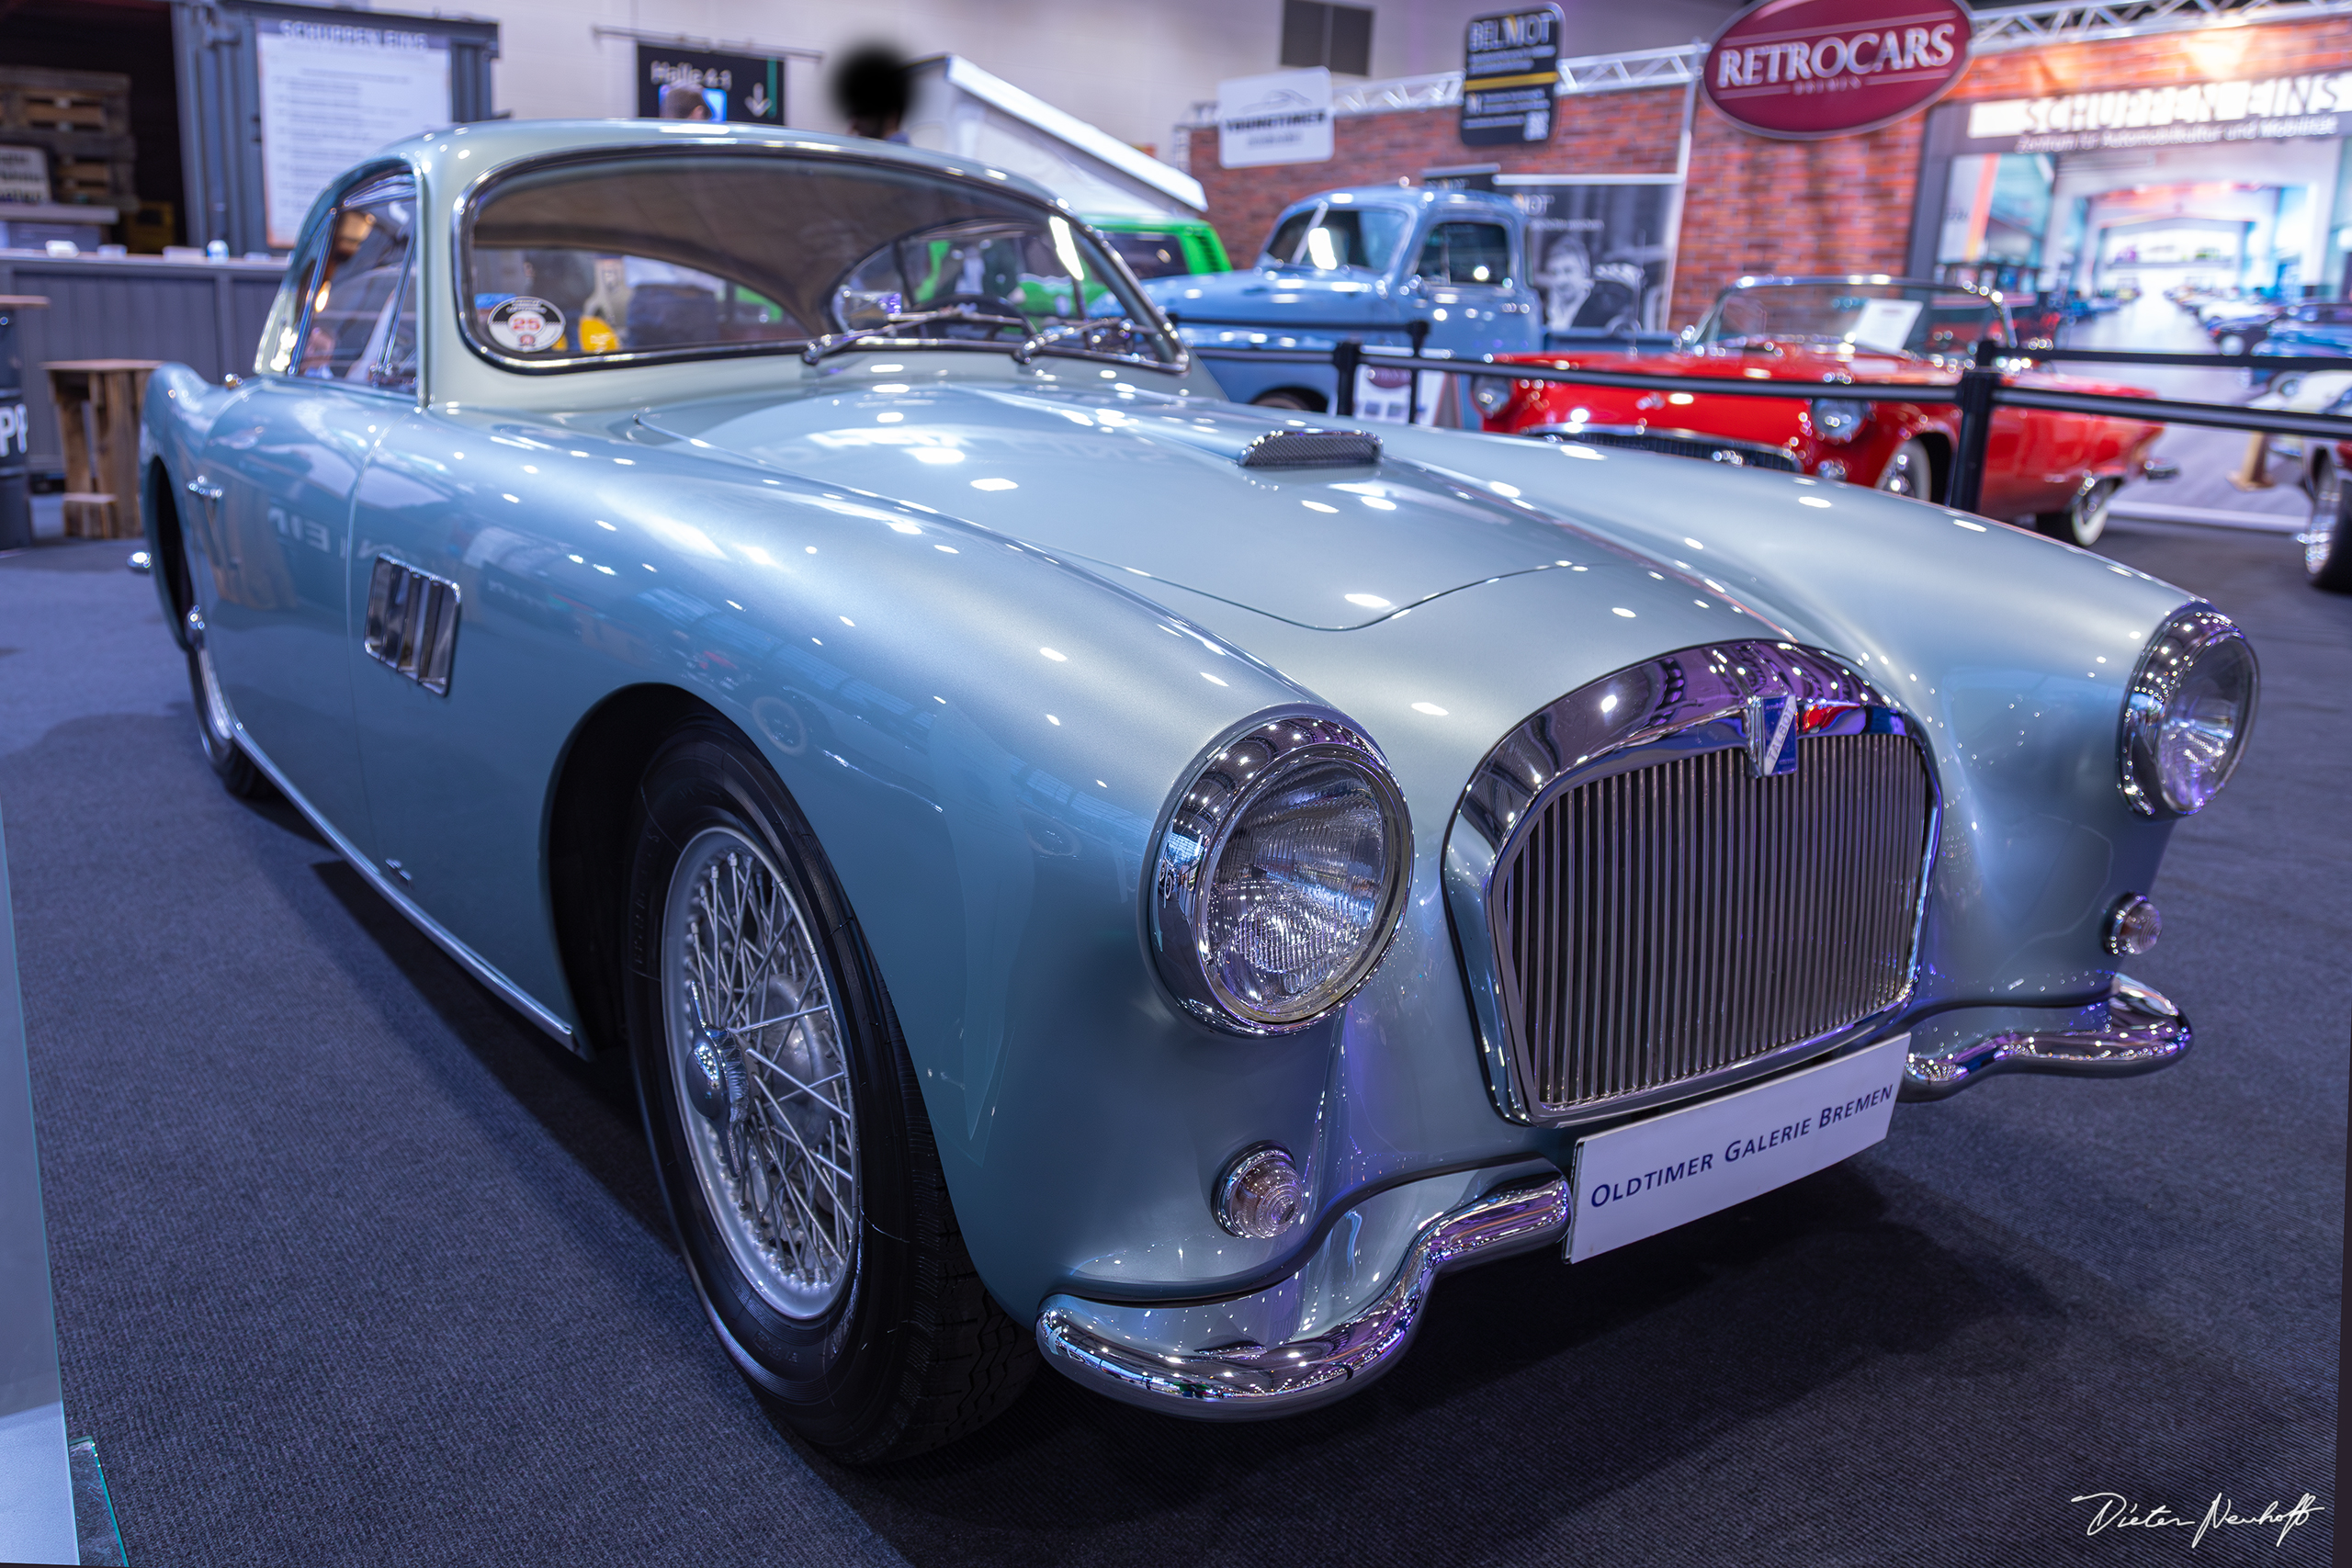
331, 95
1282, 118
1669, 1170
1885, 325
1380, 394
23, 175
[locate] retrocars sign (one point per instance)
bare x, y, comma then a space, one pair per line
1805, 69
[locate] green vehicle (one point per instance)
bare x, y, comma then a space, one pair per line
1157, 248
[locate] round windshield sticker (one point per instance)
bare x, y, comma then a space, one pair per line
526, 325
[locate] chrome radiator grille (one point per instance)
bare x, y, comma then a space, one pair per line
1666, 923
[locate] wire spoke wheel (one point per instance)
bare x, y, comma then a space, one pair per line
757, 1056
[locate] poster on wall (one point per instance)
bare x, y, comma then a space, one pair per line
694, 84
1284, 117
1599, 252
1510, 75
1806, 69
331, 93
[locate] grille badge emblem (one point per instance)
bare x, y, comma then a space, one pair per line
1770, 725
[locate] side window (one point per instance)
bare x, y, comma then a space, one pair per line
1466, 252
353, 314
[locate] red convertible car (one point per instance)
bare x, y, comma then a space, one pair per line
2056, 472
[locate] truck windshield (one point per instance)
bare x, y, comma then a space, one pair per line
1889, 318
1329, 238
611, 260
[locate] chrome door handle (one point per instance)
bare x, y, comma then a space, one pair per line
204, 488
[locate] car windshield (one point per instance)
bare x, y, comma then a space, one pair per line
578, 264
1892, 318
1328, 237
1149, 255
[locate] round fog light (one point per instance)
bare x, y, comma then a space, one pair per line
1261, 1196
2132, 925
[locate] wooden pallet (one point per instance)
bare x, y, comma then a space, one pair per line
82, 119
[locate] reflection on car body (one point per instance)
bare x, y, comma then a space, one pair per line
1085, 871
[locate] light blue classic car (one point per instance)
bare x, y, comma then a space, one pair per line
1382, 264
1088, 872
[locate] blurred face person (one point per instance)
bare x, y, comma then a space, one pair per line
1566, 282
682, 102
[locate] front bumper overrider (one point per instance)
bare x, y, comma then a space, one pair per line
1349, 1311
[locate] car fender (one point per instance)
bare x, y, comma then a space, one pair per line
984, 738
2013, 652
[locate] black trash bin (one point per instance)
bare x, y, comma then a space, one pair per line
15, 431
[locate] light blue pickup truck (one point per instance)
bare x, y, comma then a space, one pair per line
1380, 263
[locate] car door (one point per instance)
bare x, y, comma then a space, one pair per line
277, 474
1466, 283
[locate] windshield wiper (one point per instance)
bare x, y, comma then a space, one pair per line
1126, 327
834, 342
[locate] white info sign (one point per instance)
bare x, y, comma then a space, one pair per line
332, 92
1282, 118
1652, 1175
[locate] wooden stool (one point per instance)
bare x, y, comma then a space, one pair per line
98, 421
91, 515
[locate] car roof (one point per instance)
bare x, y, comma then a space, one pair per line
488, 145
1412, 198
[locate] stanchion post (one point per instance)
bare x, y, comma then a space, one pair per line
1980, 384
1344, 359
1419, 332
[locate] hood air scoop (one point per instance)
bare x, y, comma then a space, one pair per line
1312, 449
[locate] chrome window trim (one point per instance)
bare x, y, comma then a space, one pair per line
1172, 910
2198, 628
1693, 708
465, 206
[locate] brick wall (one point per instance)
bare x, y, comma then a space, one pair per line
1756, 204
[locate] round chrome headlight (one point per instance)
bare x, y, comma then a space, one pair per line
1840, 418
1489, 392
1281, 874
2187, 713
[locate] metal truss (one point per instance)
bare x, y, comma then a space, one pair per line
2000, 31
2029, 26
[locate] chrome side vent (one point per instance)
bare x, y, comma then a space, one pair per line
413, 622
1312, 449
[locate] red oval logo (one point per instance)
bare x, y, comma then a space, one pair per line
1811, 68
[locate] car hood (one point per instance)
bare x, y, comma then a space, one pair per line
1284, 298
1150, 489
1797, 361
1792, 363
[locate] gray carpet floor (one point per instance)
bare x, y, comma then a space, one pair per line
352, 1266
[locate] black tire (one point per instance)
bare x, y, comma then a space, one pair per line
2327, 544
2084, 519
909, 1351
1910, 471
213, 729
1284, 397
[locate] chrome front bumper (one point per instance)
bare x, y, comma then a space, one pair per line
1346, 1316
2143, 1031
1336, 1323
